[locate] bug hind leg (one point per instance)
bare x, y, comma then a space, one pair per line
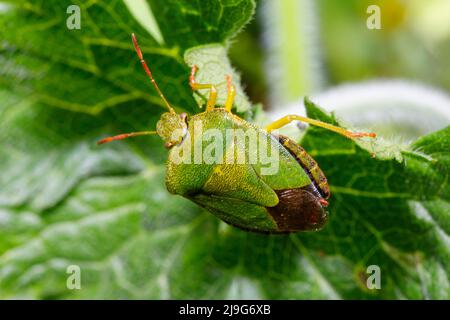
289, 118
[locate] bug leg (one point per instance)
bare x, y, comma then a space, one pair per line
288, 119
197, 86
231, 94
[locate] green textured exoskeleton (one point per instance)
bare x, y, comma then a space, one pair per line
239, 192
245, 175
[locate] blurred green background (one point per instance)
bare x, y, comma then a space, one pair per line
308, 47
413, 43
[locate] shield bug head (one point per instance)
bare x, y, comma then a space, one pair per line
171, 127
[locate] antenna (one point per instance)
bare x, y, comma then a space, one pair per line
126, 135
149, 74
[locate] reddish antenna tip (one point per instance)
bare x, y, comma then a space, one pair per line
136, 46
118, 137
148, 72
126, 135
106, 140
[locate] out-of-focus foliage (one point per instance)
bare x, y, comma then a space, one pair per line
65, 201
413, 43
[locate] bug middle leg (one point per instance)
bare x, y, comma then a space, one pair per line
197, 86
288, 119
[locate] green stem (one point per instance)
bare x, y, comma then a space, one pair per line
292, 60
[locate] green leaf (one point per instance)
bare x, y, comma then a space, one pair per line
64, 201
187, 23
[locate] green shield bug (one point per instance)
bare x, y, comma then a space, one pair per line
231, 176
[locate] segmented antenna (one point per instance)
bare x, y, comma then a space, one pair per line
126, 135
149, 74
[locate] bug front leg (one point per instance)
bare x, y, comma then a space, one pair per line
197, 86
288, 119
231, 94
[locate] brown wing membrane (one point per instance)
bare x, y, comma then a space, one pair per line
299, 210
